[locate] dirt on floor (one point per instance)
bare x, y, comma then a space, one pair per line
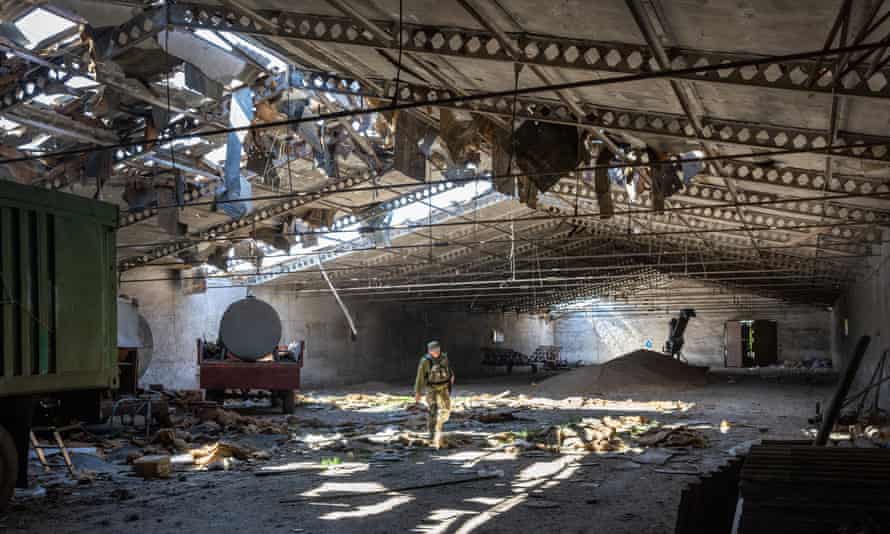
640, 370
357, 460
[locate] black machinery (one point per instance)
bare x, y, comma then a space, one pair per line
674, 343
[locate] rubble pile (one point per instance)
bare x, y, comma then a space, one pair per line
234, 422
641, 370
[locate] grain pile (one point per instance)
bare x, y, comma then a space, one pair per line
641, 370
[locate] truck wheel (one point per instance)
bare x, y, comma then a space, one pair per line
9, 468
288, 402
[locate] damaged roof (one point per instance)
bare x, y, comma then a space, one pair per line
228, 135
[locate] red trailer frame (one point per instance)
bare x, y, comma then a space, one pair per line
281, 377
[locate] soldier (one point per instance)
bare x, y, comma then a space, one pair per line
435, 378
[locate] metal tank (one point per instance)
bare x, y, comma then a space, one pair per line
250, 329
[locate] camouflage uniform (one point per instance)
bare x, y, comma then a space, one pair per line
434, 377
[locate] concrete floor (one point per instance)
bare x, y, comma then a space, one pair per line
543, 493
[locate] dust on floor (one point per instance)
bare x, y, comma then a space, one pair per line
356, 461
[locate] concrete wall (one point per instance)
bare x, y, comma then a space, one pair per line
866, 308
391, 337
802, 333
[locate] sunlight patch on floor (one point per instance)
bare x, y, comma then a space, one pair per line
441, 520
370, 509
345, 487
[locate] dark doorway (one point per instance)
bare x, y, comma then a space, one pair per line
750, 343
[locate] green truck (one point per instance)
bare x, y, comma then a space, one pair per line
58, 311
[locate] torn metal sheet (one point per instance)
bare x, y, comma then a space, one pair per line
216, 63
602, 183
140, 195
547, 148
411, 133
274, 237
538, 149
302, 228
377, 227
459, 137
234, 185
197, 81
98, 166
664, 179
219, 258
168, 219
10, 32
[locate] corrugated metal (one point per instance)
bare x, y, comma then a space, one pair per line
58, 291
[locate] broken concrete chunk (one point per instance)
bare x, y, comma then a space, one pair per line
149, 467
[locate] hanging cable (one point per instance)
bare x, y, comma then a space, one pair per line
395, 96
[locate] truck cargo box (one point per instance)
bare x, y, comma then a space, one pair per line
58, 289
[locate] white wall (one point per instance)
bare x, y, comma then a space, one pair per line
392, 336
802, 333
390, 340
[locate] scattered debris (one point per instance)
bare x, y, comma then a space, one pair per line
674, 437
496, 417
219, 452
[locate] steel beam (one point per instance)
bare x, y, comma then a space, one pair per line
257, 215
664, 124
53, 123
136, 30
714, 130
544, 51
786, 214
37, 81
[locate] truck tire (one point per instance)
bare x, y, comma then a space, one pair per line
288, 402
215, 395
9, 468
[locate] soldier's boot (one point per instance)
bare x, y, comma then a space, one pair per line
439, 439
431, 428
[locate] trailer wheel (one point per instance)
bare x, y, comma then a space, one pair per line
9, 468
215, 395
288, 402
